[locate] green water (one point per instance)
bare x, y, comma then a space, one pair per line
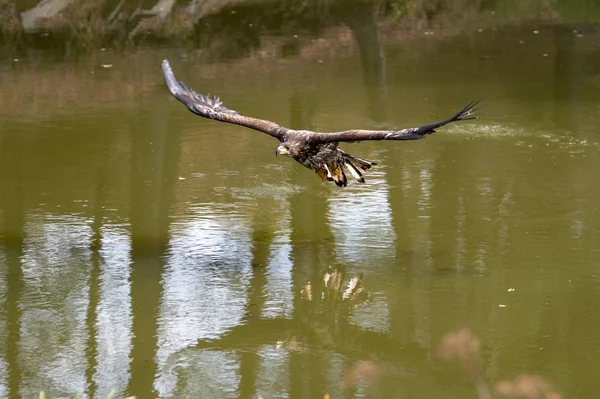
155, 253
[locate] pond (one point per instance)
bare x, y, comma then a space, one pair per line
146, 251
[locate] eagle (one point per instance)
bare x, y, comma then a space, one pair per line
315, 150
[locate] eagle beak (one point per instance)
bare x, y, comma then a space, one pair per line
281, 150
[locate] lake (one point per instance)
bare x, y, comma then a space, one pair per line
147, 251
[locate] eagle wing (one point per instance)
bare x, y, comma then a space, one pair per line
213, 108
414, 133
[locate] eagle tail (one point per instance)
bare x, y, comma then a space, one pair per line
357, 166
355, 172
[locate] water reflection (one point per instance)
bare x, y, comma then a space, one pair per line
151, 253
110, 323
12, 238
361, 223
204, 291
53, 332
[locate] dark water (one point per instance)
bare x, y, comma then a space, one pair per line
150, 252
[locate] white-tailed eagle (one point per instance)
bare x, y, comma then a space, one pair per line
315, 150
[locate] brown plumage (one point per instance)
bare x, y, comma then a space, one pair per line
314, 150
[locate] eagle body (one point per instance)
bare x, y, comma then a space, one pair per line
326, 159
315, 150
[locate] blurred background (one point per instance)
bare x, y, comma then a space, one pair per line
146, 251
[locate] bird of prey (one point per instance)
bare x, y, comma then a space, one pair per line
315, 150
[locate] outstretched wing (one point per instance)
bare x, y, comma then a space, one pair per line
414, 133
213, 108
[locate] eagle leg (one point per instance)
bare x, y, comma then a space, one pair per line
322, 173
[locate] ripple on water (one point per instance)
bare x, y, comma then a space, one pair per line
266, 190
560, 138
360, 218
201, 374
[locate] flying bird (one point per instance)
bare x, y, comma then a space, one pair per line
315, 150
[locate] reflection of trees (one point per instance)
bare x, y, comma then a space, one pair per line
312, 246
568, 70
361, 19
314, 323
155, 148
98, 205
12, 236
262, 239
94, 284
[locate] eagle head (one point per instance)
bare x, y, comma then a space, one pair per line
287, 150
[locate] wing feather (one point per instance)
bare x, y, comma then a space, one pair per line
415, 133
212, 107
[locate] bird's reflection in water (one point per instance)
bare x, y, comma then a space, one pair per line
332, 287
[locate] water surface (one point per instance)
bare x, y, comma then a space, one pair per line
155, 253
